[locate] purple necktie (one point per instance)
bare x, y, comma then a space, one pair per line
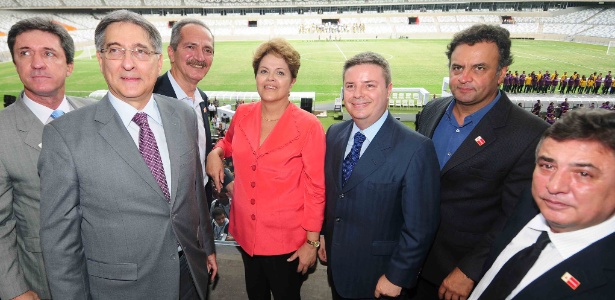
149, 150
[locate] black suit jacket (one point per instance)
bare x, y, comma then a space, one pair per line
163, 87
385, 217
593, 267
480, 185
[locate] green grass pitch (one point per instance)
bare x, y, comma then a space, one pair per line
414, 63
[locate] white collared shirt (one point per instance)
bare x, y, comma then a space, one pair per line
42, 112
195, 105
127, 112
369, 132
563, 246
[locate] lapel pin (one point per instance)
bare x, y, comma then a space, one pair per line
572, 282
479, 140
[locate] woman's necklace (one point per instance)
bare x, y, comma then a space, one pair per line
270, 120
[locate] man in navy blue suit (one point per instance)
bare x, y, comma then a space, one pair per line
382, 190
485, 146
573, 200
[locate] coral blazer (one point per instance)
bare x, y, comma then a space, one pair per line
279, 191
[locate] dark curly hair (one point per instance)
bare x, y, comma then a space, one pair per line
484, 33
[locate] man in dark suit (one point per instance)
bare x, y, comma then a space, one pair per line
382, 191
191, 52
123, 213
43, 53
572, 208
485, 145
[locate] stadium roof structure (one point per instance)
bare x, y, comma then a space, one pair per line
371, 5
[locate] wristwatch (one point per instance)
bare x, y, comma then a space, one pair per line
316, 244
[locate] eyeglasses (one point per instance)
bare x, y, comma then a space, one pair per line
116, 53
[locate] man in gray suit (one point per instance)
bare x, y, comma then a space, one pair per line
43, 55
123, 211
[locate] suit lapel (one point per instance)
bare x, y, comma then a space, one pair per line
116, 135
205, 116
339, 147
430, 119
495, 118
591, 267
172, 133
249, 126
29, 126
285, 132
373, 157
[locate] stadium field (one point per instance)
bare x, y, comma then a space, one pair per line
414, 63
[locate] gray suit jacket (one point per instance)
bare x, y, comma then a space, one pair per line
107, 231
21, 263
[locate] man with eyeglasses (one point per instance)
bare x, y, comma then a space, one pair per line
191, 53
42, 53
123, 214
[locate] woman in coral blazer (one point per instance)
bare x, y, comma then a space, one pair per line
278, 204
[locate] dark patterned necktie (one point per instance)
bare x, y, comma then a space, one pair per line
149, 150
511, 273
353, 156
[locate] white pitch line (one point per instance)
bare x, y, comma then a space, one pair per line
342, 52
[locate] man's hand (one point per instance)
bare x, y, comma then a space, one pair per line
322, 253
29, 295
456, 286
386, 288
307, 257
212, 266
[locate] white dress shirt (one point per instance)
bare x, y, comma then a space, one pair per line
43, 112
127, 112
563, 246
195, 105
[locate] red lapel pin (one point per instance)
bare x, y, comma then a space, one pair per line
479, 140
572, 282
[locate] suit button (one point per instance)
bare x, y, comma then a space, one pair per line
338, 220
342, 196
253, 184
173, 256
253, 167
253, 217
252, 201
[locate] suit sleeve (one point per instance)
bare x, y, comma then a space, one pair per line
420, 198
205, 214
313, 156
12, 281
517, 180
61, 219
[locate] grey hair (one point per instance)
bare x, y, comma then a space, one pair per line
177, 29
129, 17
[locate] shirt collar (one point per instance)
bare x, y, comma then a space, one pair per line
127, 112
181, 95
477, 115
570, 243
371, 131
43, 112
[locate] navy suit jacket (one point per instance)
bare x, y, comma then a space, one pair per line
385, 217
593, 267
480, 185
